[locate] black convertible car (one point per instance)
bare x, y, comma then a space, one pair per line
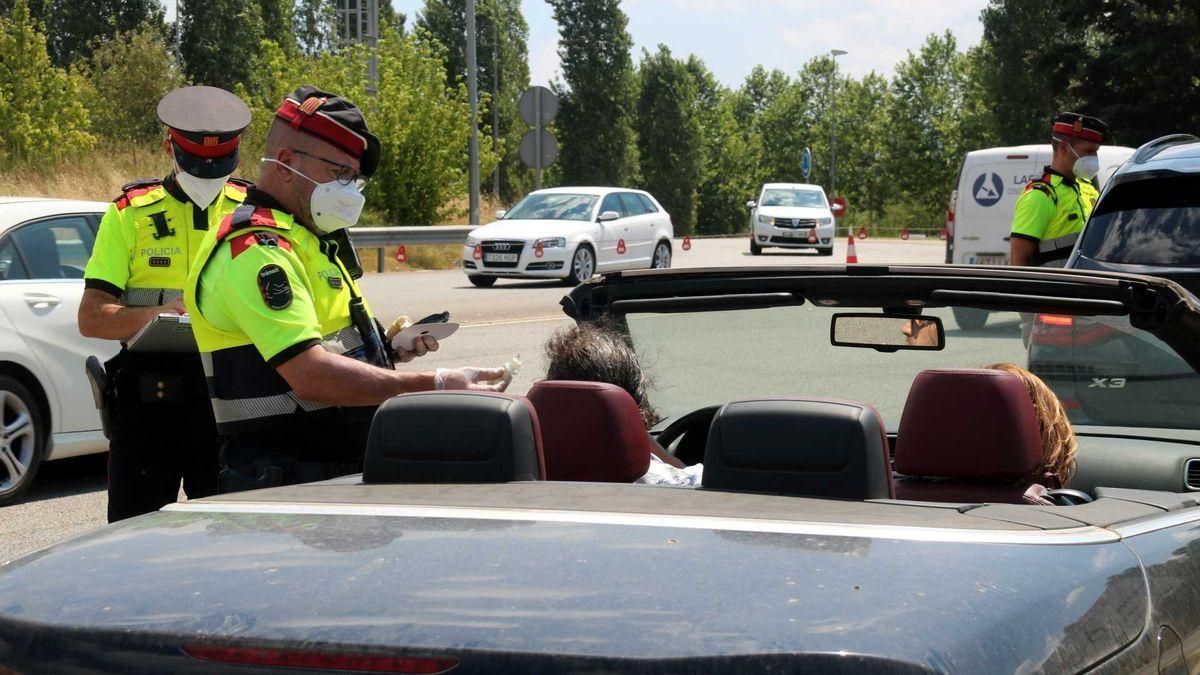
864, 508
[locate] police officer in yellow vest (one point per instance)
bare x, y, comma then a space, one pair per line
296, 363
155, 404
1051, 212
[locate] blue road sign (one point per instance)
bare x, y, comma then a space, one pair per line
806, 163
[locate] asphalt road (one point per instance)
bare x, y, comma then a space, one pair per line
514, 318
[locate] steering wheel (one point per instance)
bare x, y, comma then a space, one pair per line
682, 425
1067, 497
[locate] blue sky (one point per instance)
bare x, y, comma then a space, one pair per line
732, 36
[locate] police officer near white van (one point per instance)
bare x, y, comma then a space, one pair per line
1051, 212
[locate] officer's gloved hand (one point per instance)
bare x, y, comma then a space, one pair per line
477, 379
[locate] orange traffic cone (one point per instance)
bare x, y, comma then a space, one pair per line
851, 255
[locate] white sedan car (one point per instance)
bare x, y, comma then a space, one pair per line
791, 215
571, 234
46, 406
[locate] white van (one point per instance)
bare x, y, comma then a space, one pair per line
989, 183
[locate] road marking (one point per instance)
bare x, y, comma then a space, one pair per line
509, 322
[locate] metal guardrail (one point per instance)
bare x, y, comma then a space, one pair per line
382, 237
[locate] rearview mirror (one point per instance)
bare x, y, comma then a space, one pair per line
887, 332
500, 214
609, 215
751, 204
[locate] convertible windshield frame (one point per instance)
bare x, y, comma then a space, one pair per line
1158, 306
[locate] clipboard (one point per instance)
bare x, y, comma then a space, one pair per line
165, 333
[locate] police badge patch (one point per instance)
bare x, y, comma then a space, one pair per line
274, 286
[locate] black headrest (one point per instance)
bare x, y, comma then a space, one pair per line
797, 446
454, 437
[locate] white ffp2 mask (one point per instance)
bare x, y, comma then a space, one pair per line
334, 206
202, 191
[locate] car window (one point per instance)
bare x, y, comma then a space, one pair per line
789, 197
633, 205
553, 206
11, 266
56, 248
613, 203
649, 205
1147, 222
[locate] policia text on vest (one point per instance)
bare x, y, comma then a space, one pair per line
155, 405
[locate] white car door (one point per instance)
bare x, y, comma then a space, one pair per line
41, 267
641, 230
613, 243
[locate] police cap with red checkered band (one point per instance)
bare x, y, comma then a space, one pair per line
205, 125
334, 120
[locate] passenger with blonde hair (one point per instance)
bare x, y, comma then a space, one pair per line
1059, 446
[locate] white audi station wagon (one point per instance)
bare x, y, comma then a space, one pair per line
571, 233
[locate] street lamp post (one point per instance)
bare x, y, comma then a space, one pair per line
472, 94
833, 54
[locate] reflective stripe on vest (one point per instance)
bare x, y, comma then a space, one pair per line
149, 297
230, 411
1059, 248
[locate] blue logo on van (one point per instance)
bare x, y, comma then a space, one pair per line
988, 189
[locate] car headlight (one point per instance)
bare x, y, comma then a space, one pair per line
765, 220
824, 221
472, 242
551, 242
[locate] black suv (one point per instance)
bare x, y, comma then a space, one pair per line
1147, 221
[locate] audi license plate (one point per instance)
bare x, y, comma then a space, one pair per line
501, 257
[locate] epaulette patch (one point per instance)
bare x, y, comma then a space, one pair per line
241, 244
135, 189
247, 216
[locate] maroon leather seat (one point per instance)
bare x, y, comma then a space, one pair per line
454, 437
968, 435
591, 431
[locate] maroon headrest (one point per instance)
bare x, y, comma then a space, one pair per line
591, 431
968, 424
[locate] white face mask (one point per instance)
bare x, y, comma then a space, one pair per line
202, 191
1085, 167
334, 206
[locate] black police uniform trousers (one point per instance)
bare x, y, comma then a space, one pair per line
298, 448
162, 431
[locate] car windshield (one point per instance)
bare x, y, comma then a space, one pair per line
782, 197
1147, 222
553, 206
1106, 372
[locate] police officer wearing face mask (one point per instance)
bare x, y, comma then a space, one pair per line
155, 405
1051, 212
296, 363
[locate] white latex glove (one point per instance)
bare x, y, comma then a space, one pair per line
476, 379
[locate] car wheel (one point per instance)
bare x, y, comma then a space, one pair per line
481, 280
583, 266
969, 318
662, 256
22, 439
755, 249
825, 251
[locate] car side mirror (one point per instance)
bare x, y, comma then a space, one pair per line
500, 214
751, 204
609, 215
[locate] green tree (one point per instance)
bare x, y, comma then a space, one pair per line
220, 40
75, 27
279, 23
315, 26
1140, 70
863, 146
135, 69
1024, 41
501, 46
42, 115
597, 98
925, 130
669, 135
